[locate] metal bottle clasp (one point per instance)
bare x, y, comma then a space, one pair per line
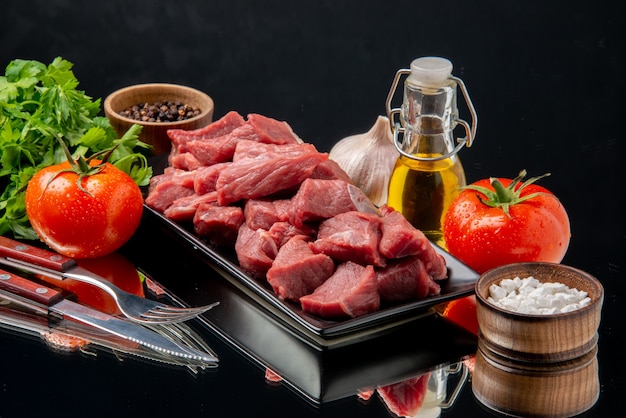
397, 128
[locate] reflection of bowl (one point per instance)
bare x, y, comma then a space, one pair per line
560, 389
155, 133
537, 337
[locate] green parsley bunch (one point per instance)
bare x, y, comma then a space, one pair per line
40, 107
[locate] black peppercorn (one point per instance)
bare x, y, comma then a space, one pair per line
163, 111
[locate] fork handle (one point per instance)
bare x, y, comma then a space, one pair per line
27, 253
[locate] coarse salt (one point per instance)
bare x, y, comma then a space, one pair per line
530, 296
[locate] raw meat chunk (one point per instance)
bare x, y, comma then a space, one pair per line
319, 199
330, 170
297, 271
184, 161
167, 187
283, 231
250, 178
405, 279
282, 208
260, 151
272, 131
218, 224
205, 180
184, 209
182, 177
258, 129
350, 236
220, 127
400, 238
256, 250
222, 148
260, 213
435, 264
351, 291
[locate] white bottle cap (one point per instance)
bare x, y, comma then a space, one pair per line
430, 71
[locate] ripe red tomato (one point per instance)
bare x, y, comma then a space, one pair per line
92, 220
494, 222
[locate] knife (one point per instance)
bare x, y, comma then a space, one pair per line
18, 319
48, 301
361, 201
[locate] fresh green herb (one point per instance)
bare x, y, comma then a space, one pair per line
39, 105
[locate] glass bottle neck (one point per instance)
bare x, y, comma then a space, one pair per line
429, 116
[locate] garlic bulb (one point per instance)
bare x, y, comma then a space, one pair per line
368, 159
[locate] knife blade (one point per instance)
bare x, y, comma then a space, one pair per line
49, 301
361, 201
23, 320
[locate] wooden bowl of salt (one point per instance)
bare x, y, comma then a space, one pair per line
523, 334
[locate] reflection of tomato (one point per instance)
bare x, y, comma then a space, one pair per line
463, 313
115, 268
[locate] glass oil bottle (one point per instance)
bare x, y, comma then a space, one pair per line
428, 173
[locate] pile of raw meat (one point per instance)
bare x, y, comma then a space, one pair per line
252, 185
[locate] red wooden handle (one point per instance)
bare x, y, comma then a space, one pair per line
31, 290
34, 255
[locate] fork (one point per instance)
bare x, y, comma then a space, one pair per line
178, 331
136, 308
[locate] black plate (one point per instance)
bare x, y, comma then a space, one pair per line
321, 370
461, 281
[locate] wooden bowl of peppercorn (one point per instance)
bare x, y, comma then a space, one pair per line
158, 107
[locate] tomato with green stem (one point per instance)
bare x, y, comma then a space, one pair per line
83, 208
499, 221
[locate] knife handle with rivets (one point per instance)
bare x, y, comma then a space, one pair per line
27, 289
30, 254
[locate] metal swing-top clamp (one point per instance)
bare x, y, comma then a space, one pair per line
430, 77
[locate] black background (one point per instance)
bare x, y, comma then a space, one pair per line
546, 78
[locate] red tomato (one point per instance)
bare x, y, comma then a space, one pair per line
115, 268
500, 221
92, 220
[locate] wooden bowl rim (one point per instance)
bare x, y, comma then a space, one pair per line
205, 98
487, 276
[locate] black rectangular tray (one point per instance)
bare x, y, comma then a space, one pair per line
460, 282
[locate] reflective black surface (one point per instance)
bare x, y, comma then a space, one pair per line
546, 79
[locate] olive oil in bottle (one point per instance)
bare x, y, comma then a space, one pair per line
423, 191
428, 173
